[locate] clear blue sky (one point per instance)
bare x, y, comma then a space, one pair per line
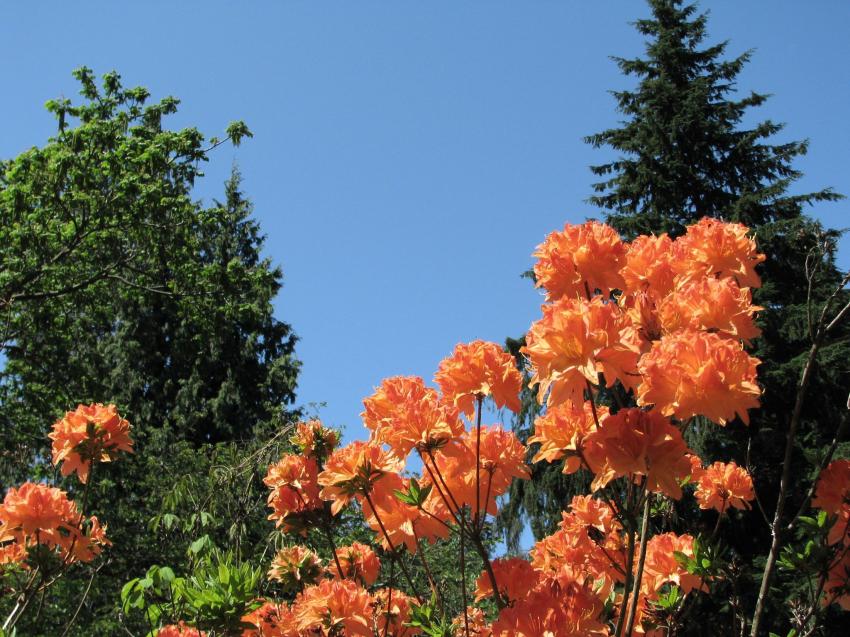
409, 156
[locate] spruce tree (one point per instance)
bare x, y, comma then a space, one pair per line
683, 153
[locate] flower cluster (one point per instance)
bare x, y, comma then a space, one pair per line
36, 514
90, 433
669, 321
634, 341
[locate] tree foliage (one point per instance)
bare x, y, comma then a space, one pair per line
116, 286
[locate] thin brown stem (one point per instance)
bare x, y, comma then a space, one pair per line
463, 585
630, 559
392, 548
644, 532
821, 330
474, 520
428, 573
82, 600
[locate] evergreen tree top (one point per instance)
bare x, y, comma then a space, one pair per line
683, 153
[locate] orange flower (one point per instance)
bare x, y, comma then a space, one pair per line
514, 575
13, 553
502, 458
334, 607
180, 629
696, 373
642, 324
711, 305
832, 494
561, 432
837, 587
717, 249
359, 562
574, 341
404, 524
555, 609
661, 566
295, 567
38, 514
580, 258
314, 439
405, 414
89, 433
475, 621
587, 511
295, 491
393, 606
479, 369
36, 509
354, 469
271, 620
833, 489
722, 485
648, 265
696, 467
634, 443
587, 547
86, 544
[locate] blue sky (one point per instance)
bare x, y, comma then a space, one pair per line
409, 156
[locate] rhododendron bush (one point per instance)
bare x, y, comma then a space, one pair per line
637, 343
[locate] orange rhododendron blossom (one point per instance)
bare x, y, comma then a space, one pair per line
711, 305
574, 341
837, 587
89, 433
38, 514
832, 494
475, 621
180, 629
697, 373
406, 525
359, 562
354, 469
635, 443
271, 620
293, 481
580, 258
587, 511
392, 607
295, 567
314, 439
587, 547
12, 553
833, 488
648, 268
501, 459
696, 467
555, 609
514, 575
642, 325
718, 249
561, 432
723, 485
661, 566
405, 414
479, 369
334, 607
